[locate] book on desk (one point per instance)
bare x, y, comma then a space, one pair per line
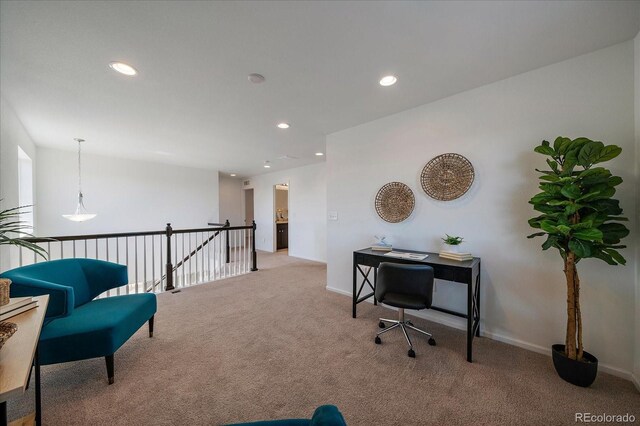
16, 305
407, 255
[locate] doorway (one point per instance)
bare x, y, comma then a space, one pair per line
281, 213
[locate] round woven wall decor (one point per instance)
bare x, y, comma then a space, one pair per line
395, 202
447, 177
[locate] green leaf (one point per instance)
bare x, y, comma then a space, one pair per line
542, 197
571, 191
607, 153
589, 234
580, 248
615, 181
552, 241
537, 234
550, 178
572, 208
589, 152
551, 188
561, 144
615, 255
599, 254
612, 233
548, 227
570, 161
553, 165
585, 224
545, 149
558, 202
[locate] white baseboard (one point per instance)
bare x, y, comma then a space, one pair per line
339, 291
324, 262
461, 325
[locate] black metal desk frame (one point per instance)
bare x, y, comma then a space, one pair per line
467, 272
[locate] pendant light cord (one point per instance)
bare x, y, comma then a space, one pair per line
79, 169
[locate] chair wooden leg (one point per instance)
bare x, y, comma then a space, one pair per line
109, 360
151, 326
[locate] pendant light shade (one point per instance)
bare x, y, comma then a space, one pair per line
81, 213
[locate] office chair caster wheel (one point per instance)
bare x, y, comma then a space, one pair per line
432, 341
411, 353
381, 324
378, 340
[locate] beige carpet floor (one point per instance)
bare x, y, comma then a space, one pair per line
276, 344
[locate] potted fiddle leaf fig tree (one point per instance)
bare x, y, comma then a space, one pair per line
580, 218
13, 232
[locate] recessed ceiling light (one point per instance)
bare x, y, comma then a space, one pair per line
267, 165
319, 154
123, 68
283, 125
232, 174
256, 78
388, 80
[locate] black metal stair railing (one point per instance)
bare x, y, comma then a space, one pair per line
176, 258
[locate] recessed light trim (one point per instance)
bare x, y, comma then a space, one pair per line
123, 68
388, 80
283, 125
232, 174
319, 154
267, 164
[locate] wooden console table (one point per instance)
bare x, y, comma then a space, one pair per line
466, 272
17, 356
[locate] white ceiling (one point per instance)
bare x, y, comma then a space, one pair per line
191, 103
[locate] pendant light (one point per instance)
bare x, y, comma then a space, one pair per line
81, 213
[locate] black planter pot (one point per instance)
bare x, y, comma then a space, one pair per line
579, 373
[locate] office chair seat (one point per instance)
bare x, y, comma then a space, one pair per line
404, 287
406, 301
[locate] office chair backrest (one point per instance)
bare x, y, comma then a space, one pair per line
411, 280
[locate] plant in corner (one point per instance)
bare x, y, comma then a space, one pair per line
581, 219
12, 232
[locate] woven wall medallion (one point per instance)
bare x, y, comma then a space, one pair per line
447, 177
395, 202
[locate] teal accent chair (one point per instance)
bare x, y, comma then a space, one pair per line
325, 415
77, 326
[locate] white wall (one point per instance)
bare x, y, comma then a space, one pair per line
307, 210
127, 195
12, 135
231, 202
637, 122
496, 127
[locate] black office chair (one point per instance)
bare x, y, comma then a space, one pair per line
404, 287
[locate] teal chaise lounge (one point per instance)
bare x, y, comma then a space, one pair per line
77, 326
325, 415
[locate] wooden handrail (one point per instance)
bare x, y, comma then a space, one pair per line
168, 232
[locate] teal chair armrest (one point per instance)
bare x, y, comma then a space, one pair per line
61, 297
102, 276
327, 415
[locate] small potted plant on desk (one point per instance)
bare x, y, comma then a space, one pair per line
580, 219
452, 244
